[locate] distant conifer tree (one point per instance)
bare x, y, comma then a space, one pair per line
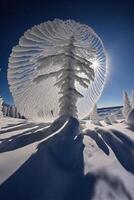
126, 105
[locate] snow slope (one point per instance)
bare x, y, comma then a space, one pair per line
51, 162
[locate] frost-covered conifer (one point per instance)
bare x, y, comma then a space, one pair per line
68, 75
1, 106
4, 110
113, 118
8, 111
107, 120
50, 66
130, 119
13, 111
132, 102
126, 105
94, 116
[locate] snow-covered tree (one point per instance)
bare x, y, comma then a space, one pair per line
130, 119
126, 105
66, 54
8, 111
5, 110
13, 111
17, 114
1, 106
113, 118
107, 120
132, 102
94, 116
72, 66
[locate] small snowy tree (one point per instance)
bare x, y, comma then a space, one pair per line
132, 102
17, 114
1, 106
8, 111
107, 120
113, 118
4, 110
130, 119
13, 111
126, 105
94, 116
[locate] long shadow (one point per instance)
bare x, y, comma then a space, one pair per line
124, 138
130, 128
12, 125
18, 141
122, 146
56, 171
24, 138
101, 144
19, 128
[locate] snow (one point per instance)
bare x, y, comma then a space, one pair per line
55, 162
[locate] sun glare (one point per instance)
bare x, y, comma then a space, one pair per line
95, 63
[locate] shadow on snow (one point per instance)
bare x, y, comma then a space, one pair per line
56, 170
121, 145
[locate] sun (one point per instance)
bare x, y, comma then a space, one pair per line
95, 64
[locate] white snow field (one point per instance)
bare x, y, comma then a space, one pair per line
54, 162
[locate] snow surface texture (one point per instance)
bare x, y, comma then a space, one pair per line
38, 162
36, 64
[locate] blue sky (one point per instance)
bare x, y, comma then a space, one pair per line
113, 21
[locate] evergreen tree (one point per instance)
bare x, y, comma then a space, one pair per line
8, 111
13, 112
69, 74
132, 102
126, 105
1, 107
94, 116
112, 118
107, 120
5, 110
